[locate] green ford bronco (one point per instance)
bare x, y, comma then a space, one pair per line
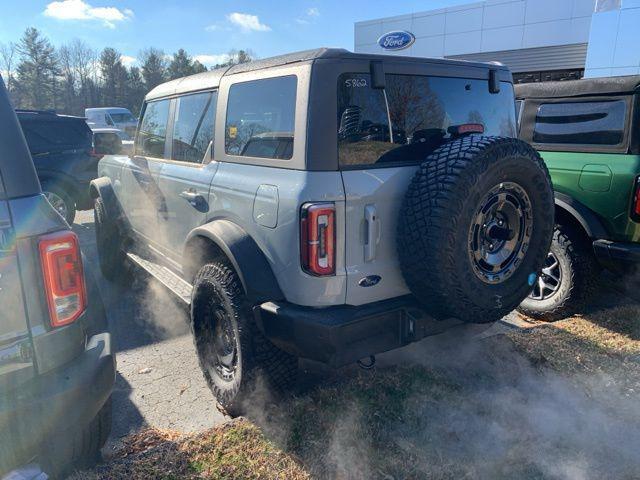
587, 132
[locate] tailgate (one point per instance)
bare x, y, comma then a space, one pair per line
374, 198
16, 360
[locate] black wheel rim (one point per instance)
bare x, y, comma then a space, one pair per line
220, 345
549, 280
500, 233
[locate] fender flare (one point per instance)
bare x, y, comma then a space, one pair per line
249, 262
102, 187
585, 217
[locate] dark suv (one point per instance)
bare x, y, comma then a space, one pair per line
56, 365
63, 152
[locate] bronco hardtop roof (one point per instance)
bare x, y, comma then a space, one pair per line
207, 80
579, 88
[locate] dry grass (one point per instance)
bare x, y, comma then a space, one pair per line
556, 401
236, 450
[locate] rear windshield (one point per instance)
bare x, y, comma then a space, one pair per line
123, 117
55, 134
414, 115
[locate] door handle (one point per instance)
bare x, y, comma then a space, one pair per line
194, 198
372, 232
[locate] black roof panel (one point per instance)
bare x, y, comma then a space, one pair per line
208, 80
579, 88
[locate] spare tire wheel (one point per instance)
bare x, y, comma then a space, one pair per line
475, 227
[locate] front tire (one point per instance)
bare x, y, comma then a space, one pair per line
110, 245
232, 352
568, 280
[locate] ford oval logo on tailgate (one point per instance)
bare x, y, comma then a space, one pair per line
396, 40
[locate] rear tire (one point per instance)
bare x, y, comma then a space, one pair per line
569, 280
60, 200
78, 449
475, 227
110, 245
232, 352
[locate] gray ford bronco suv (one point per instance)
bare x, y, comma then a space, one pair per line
57, 368
327, 205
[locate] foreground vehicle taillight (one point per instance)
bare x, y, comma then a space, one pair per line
318, 238
63, 277
635, 205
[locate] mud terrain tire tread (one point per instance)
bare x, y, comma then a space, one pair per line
436, 215
110, 245
218, 282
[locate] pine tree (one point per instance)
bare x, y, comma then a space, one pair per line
154, 67
37, 71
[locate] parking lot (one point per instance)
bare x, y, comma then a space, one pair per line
159, 383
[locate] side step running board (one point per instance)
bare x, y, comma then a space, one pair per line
178, 286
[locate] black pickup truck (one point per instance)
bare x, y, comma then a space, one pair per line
57, 368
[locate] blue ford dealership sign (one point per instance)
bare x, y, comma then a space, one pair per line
398, 40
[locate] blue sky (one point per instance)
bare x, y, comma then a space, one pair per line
206, 28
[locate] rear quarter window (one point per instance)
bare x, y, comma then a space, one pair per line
581, 123
413, 116
261, 118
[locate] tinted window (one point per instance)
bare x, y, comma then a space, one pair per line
47, 134
193, 126
261, 118
584, 123
122, 117
153, 130
424, 112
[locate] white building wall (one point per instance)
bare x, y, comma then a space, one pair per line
614, 41
489, 26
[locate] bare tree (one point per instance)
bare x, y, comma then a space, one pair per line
7, 59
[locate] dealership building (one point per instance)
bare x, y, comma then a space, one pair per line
540, 40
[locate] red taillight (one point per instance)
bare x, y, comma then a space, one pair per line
318, 238
63, 277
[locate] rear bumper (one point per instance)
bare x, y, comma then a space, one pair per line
65, 398
344, 334
618, 253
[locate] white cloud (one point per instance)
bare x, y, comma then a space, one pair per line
212, 28
310, 14
80, 10
211, 60
248, 22
128, 60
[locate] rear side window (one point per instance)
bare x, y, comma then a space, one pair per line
153, 130
261, 118
45, 135
193, 126
413, 116
581, 123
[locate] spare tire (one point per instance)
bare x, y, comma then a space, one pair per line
475, 227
